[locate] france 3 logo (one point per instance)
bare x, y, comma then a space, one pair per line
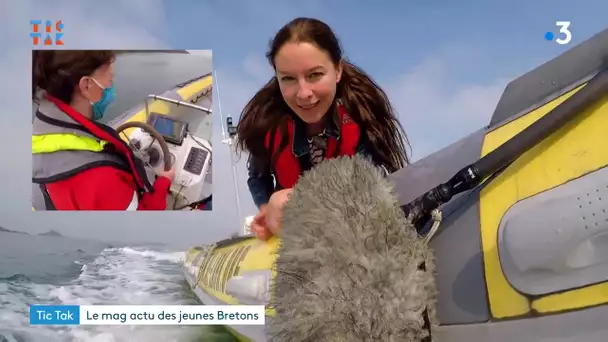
564, 35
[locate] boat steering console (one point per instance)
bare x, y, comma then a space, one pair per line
162, 142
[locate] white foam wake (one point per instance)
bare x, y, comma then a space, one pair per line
118, 276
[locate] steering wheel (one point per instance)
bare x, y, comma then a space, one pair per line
156, 137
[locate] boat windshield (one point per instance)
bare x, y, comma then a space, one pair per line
200, 123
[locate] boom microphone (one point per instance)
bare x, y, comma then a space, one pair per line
350, 266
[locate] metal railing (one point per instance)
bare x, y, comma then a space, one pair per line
177, 102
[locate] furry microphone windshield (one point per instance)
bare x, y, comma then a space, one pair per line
350, 266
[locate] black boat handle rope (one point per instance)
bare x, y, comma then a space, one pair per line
419, 210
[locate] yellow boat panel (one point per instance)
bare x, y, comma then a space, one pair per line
261, 255
232, 260
582, 298
573, 151
190, 90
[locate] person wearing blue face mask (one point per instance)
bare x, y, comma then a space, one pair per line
107, 97
78, 162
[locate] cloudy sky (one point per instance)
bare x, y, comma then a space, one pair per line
444, 65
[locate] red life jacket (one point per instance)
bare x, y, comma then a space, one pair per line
287, 167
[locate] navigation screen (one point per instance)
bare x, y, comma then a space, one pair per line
168, 127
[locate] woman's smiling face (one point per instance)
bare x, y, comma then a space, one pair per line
308, 80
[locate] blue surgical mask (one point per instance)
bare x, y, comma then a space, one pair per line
107, 97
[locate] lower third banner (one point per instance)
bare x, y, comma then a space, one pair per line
147, 315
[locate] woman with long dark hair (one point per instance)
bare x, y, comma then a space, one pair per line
317, 106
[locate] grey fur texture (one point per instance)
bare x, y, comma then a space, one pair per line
348, 265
